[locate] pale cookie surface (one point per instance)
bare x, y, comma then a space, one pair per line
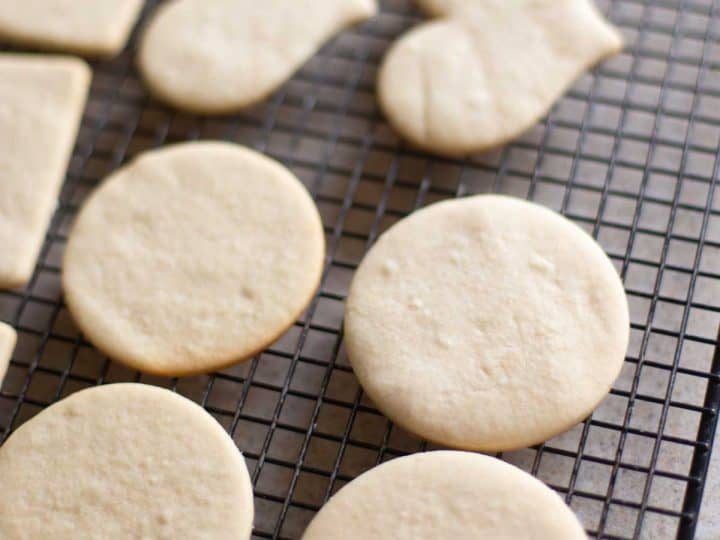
445, 496
124, 461
193, 257
487, 323
41, 103
488, 70
8, 338
216, 57
88, 27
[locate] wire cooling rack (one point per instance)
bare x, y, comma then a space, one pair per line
630, 153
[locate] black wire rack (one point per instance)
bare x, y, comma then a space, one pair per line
630, 153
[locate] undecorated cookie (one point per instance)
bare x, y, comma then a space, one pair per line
216, 57
8, 338
124, 461
486, 323
487, 70
88, 27
445, 496
42, 99
193, 257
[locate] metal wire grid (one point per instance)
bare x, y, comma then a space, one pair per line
629, 154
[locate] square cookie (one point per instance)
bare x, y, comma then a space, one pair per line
42, 99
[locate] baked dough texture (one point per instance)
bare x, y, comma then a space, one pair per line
124, 461
42, 99
193, 257
486, 323
88, 27
445, 495
486, 71
217, 57
8, 338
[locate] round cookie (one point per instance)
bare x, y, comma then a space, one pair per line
445, 495
214, 57
124, 461
486, 323
193, 257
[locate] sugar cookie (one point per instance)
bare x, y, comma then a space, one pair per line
124, 461
88, 27
42, 99
193, 257
217, 57
8, 338
486, 323
488, 70
445, 496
